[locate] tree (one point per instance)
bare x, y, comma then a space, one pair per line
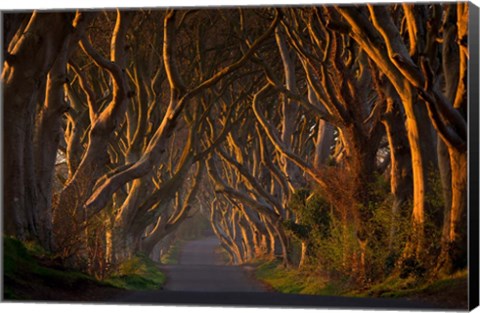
409, 78
31, 54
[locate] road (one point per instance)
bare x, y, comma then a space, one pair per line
201, 278
200, 268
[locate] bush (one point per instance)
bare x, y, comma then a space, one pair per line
312, 214
336, 244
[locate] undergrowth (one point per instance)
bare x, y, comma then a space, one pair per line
395, 287
28, 268
447, 291
138, 273
297, 281
24, 263
173, 254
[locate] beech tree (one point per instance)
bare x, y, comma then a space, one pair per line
31, 55
303, 133
409, 65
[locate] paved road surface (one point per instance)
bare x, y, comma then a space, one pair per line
201, 278
200, 268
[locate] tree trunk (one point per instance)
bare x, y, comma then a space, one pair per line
454, 243
290, 113
323, 144
401, 167
303, 253
47, 138
455, 235
49, 130
30, 58
419, 144
69, 215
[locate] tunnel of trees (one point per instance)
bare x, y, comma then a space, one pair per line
328, 137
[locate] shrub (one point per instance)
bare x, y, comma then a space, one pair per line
334, 239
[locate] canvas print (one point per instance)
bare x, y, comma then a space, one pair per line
309, 155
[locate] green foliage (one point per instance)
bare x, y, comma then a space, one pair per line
137, 273
380, 188
434, 214
434, 197
386, 234
335, 243
35, 249
411, 267
317, 213
333, 252
300, 231
313, 216
334, 239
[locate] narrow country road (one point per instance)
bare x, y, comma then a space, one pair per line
200, 268
202, 278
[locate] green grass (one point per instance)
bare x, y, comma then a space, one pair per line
19, 260
447, 291
395, 287
15, 256
22, 267
28, 268
173, 254
292, 280
138, 273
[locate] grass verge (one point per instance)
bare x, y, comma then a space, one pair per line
138, 273
448, 291
24, 268
31, 274
293, 280
173, 254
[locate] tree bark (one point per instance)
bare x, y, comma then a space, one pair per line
323, 143
49, 130
290, 113
30, 59
69, 217
402, 76
400, 167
